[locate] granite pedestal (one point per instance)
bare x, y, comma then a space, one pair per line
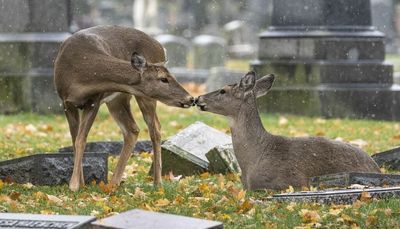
329, 61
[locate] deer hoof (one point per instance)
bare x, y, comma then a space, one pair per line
74, 186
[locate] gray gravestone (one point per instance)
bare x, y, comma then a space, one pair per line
150, 220
185, 153
343, 196
389, 159
19, 220
208, 51
329, 58
177, 49
220, 76
111, 147
383, 19
347, 179
53, 169
396, 78
222, 160
30, 34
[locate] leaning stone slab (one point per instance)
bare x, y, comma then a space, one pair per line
112, 147
150, 220
185, 153
53, 168
17, 220
347, 179
389, 159
222, 159
343, 196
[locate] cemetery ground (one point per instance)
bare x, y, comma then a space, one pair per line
208, 196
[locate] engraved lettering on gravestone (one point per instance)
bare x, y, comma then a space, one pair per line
35, 224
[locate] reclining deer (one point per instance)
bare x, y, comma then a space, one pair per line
270, 161
109, 64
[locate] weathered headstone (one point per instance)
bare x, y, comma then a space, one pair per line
19, 220
347, 179
111, 147
342, 196
184, 75
220, 76
208, 51
240, 44
185, 153
177, 49
30, 34
150, 220
396, 78
384, 21
53, 168
222, 159
329, 58
389, 159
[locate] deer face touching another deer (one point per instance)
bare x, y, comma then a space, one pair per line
274, 162
109, 64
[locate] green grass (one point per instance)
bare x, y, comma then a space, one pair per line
215, 197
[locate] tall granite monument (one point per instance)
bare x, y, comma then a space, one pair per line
329, 61
30, 34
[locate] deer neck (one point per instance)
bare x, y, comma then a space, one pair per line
248, 135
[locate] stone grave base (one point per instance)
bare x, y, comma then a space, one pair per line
342, 196
389, 159
53, 168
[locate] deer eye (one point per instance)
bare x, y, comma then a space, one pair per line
222, 91
164, 80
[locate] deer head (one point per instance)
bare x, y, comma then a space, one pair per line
228, 100
156, 82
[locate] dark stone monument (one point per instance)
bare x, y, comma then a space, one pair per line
389, 159
150, 220
341, 196
53, 169
329, 61
30, 34
112, 147
348, 179
19, 220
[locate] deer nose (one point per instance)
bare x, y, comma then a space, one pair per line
192, 100
196, 100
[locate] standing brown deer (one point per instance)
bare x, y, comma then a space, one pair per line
270, 161
109, 64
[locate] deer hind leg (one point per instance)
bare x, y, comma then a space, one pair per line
72, 114
148, 108
89, 112
121, 112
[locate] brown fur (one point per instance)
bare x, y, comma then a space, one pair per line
274, 162
108, 64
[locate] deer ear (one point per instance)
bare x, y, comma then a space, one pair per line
248, 81
263, 85
139, 62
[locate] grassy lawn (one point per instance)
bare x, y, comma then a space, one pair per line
208, 196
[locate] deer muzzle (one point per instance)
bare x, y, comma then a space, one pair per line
199, 101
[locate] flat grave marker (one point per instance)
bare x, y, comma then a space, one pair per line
150, 220
20, 221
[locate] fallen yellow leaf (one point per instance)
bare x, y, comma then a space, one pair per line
162, 203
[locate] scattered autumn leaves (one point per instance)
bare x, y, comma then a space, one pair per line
215, 197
